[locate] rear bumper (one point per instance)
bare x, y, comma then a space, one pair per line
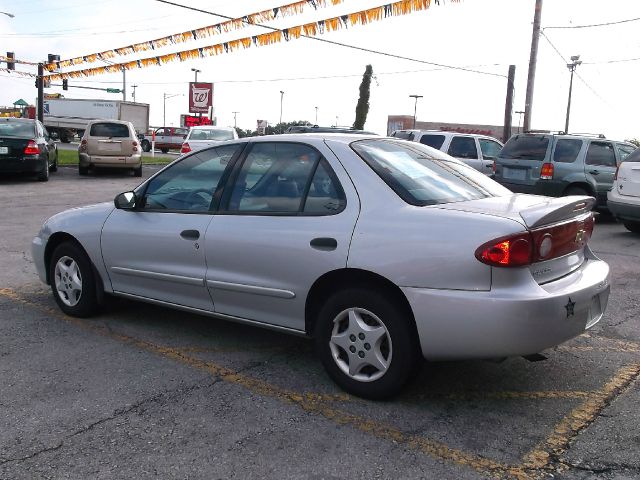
542, 187
26, 165
512, 320
132, 161
623, 210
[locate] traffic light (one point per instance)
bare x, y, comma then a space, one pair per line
65, 84
11, 65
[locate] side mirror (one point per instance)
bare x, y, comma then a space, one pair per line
125, 201
184, 137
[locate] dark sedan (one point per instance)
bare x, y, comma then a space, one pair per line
27, 147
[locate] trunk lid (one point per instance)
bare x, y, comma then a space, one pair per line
12, 148
567, 221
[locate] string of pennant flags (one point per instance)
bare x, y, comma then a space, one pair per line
313, 29
270, 14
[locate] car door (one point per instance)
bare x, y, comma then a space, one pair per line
178, 136
600, 166
286, 218
464, 148
155, 250
50, 145
489, 149
162, 137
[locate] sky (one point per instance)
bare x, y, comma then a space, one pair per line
481, 35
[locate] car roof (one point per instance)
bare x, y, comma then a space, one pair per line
17, 120
108, 120
581, 136
446, 132
210, 127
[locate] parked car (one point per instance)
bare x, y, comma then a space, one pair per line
27, 147
557, 164
203, 136
110, 143
166, 138
623, 199
479, 151
382, 250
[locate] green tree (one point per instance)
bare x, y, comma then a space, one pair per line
635, 141
362, 107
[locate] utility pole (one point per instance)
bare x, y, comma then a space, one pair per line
316, 115
281, 95
134, 92
124, 84
40, 81
533, 59
519, 113
415, 107
234, 119
508, 107
575, 61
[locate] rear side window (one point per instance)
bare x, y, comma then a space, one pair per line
490, 149
420, 178
113, 130
463, 147
601, 153
567, 150
526, 147
403, 135
434, 141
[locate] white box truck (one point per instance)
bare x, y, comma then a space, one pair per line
68, 116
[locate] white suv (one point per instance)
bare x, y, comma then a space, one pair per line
623, 200
478, 151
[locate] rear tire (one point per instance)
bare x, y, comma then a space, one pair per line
44, 175
366, 343
137, 172
54, 167
83, 170
72, 281
632, 226
164, 150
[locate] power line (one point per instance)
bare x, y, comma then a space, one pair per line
612, 61
340, 44
595, 24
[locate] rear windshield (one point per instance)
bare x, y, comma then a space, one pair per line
211, 135
17, 129
434, 141
526, 147
403, 135
112, 130
422, 176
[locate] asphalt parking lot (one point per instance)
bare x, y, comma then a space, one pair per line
141, 391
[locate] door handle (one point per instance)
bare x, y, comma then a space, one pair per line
190, 234
594, 172
324, 243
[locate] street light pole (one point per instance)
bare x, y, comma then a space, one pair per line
519, 113
415, 107
281, 95
575, 61
133, 95
234, 119
316, 116
196, 71
164, 106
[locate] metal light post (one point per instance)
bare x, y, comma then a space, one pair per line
164, 106
316, 116
281, 95
133, 95
196, 71
415, 107
575, 61
234, 119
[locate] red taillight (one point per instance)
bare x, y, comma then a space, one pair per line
32, 148
546, 172
83, 145
185, 148
513, 251
538, 245
134, 146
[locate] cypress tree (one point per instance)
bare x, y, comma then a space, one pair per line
362, 108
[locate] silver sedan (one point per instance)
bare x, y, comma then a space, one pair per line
384, 251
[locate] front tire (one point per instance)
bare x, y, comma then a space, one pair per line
632, 226
72, 281
367, 343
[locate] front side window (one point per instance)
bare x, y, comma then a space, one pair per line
490, 148
567, 150
526, 147
463, 147
601, 153
420, 177
190, 184
111, 130
285, 178
434, 141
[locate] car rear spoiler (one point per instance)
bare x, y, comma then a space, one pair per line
555, 210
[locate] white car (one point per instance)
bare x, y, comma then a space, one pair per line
478, 151
623, 200
382, 250
203, 136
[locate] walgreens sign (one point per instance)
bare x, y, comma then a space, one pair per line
200, 97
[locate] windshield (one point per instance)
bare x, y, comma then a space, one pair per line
527, 147
17, 129
210, 134
423, 176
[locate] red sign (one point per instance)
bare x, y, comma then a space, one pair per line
193, 121
200, 97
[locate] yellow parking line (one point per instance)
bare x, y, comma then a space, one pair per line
503, 395
580, 418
